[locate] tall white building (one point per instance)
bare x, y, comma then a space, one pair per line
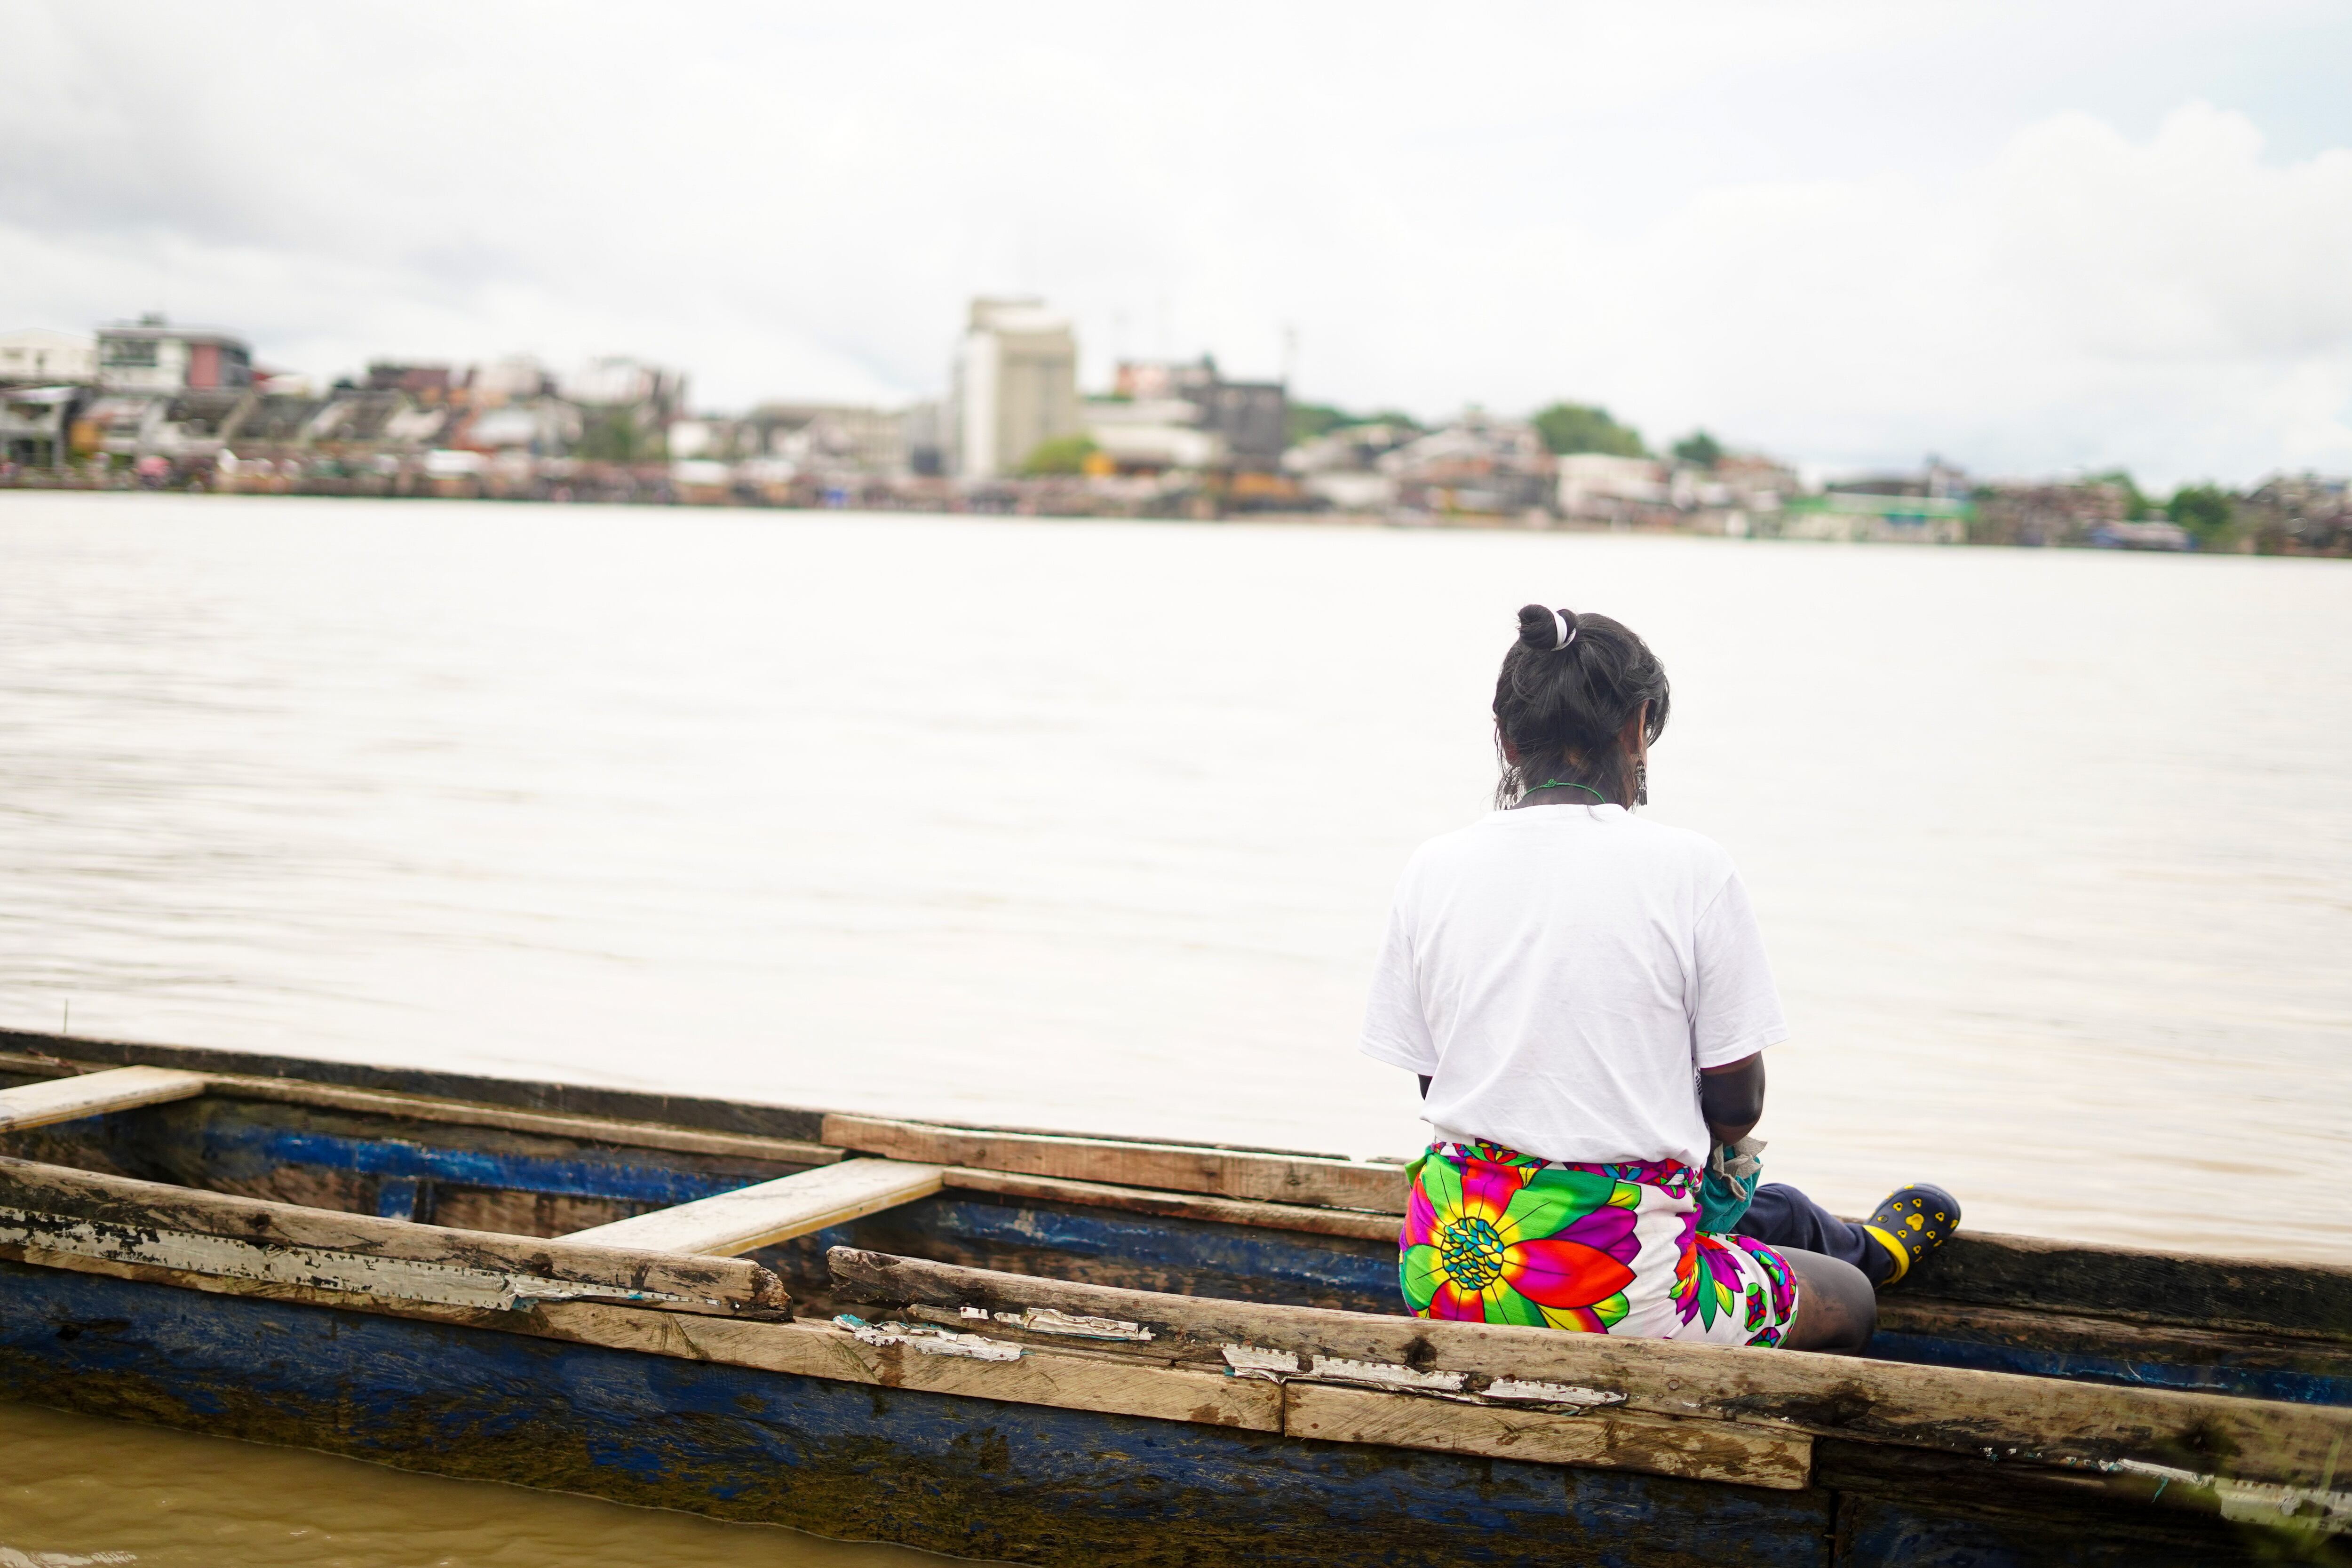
1016, 385
152, 354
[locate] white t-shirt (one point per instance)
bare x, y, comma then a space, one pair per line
1561, 972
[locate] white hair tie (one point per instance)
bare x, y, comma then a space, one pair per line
1565, 636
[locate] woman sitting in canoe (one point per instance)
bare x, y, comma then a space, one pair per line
1585, 997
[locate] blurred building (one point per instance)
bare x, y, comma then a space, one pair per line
823, 440
37, 425
1934, 480
923, 434
1625, 492
1342, 467
1931, 506
423, 382
1016, 385
626, 406
1249, 419
1479, 466
2041, 512
1858, 517
152, 355
2297, 514
1152, 434
36, 356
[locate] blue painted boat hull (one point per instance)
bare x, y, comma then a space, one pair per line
972, 1476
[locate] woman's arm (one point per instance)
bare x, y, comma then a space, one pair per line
1731, 1098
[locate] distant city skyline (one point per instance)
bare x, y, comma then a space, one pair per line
2031, 239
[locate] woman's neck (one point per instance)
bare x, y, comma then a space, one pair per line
1562, 791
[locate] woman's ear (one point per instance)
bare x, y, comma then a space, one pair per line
1503, 744
1636, 736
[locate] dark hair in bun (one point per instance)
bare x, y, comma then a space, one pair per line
1569, 687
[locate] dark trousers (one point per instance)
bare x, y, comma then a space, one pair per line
1783, 1216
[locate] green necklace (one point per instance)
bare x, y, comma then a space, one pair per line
1571, 784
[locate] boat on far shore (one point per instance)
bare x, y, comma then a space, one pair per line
1048, 1348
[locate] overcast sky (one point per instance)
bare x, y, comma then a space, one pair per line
2033, 238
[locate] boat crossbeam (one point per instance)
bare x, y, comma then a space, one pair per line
769, 1212
93, 1094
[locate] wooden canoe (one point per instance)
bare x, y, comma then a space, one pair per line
1043, 1348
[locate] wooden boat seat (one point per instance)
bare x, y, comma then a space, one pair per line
93, 1094
770, 1212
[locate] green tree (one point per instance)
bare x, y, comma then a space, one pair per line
2205, 510
1568, 428
1308, 420
1060, 455
613, 436
1700, 449
2135, 503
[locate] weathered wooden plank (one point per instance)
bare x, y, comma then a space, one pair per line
1909, 1505
2160, 1355
770, 1212
584, 1129
61, 1194
1350, 1223
1939, 1407
2132, 1340
1701, 1450
398, 1279
1072, 1381
1226, 1173
2190, 1290
93, 1094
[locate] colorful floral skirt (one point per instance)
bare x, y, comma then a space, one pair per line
1495, 1236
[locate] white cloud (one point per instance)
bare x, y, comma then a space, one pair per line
1737, 215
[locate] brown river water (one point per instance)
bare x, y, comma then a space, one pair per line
1092, 826
80, 1492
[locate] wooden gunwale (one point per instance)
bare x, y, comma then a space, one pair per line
626, 1134
1954, 1409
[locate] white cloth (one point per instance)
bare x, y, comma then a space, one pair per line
1561, 972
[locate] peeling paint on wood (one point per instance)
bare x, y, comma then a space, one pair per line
1061, 1325
2312, 1509
1384, 1374
398, 1278
928, 1340
1703, 1450
1248, 1361
1520, 1389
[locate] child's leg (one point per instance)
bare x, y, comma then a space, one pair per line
1783, 1216
1906, 1227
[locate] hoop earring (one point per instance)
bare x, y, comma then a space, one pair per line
1640, 783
